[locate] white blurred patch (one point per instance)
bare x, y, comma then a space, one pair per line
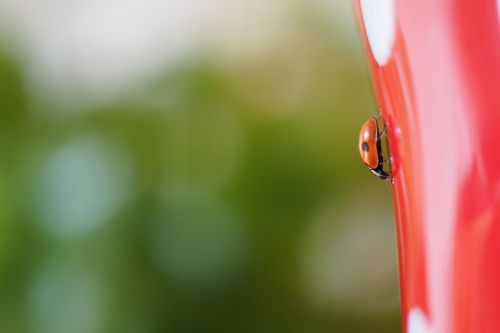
379, 17
93, 50
339, 14
66, 297
200, 243
417, 322
81, 186
349, 257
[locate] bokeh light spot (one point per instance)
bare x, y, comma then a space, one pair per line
199, 242
205, 147
349, 258
66, 297
81, 186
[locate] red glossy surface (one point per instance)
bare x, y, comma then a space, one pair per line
440, 95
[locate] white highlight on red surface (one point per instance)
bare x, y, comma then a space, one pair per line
417, 322
498, 9
379, 17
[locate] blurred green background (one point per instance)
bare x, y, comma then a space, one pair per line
189, 166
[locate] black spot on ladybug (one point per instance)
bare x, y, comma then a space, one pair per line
365, 146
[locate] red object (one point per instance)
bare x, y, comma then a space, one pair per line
439, 92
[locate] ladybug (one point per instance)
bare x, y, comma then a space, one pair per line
370, 147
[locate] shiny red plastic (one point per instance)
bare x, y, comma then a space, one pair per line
439, 92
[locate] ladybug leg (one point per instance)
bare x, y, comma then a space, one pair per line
380, 173
385, 160
383, 132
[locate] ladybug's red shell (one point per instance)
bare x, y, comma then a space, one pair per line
369, 143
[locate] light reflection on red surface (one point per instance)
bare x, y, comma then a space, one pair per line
440, 95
